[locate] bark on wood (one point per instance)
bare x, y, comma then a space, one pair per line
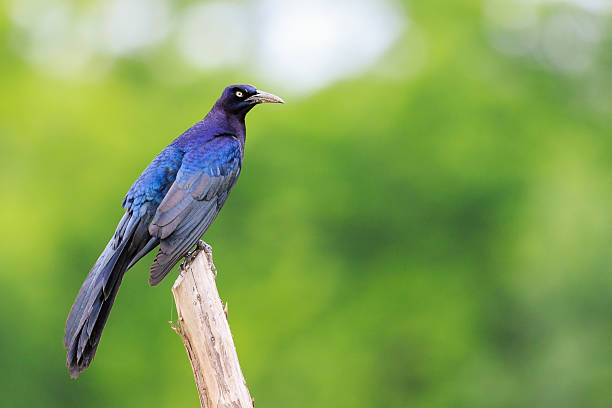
203, 326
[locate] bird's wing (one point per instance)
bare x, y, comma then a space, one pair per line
202, 184
154, 182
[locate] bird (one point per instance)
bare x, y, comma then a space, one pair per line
170, 205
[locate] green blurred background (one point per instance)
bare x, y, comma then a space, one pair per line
426, 222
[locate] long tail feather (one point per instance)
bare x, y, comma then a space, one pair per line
97, 294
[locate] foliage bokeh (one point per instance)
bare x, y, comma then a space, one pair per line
435, 239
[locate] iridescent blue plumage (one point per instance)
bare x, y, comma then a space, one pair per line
170, 205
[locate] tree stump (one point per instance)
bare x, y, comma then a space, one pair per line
203, 326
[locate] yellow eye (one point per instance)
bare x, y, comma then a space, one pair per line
239, 94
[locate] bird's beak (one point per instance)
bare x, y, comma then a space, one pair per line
263, 97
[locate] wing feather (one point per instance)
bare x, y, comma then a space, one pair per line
192, 203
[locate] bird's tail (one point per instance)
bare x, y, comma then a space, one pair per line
97, 294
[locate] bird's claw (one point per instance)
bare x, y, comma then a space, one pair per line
190, 256
203, 246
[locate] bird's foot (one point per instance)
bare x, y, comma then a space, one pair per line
189, 257
203, 246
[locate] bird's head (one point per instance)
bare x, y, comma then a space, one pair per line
239, 99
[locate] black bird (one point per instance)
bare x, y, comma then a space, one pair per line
171, 205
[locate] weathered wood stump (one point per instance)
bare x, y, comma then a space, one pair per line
203, 326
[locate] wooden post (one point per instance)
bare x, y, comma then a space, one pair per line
203, 326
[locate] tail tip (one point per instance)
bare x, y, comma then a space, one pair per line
74, 372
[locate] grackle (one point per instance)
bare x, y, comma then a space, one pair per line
171, 205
